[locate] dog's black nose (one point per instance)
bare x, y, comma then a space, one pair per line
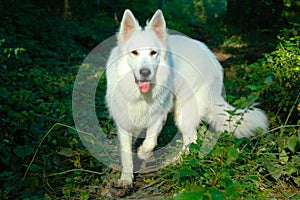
145, 72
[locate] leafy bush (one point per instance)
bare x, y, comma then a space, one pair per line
38, 68
274, 78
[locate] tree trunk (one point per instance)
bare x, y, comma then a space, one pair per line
67, 11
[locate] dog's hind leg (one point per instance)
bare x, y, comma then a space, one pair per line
187, 117
125, 139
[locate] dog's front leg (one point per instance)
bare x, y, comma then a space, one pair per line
125, 139
145, 150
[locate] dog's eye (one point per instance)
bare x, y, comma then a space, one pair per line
134, 52
152, 53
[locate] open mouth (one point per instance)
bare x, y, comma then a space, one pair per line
143, 80
144, 86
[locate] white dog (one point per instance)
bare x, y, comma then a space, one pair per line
150, 72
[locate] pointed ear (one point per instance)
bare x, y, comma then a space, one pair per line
128, 24
158, 23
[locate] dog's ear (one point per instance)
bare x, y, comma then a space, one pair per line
128, 24
158, 23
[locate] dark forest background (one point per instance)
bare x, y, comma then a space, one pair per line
44, 42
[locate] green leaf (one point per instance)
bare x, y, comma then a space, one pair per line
233, 189
215, 194
77, 172
292, 143
66, 152
251, 98
84, 195
6, 174
254, 178
189, 195
297, 181
35, 168
68, 179
23, 151
4, 93
269, 80
283, 157
232, 154
194, 147
275, 170
253, 87
187, 171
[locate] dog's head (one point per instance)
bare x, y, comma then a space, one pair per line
144, 48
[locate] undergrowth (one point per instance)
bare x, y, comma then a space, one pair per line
266, 166
42, 157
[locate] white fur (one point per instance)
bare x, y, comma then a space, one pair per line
184, 75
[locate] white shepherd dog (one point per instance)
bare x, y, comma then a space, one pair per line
150, 73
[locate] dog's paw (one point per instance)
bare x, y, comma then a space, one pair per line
123, 188
125, 184
126, 180
144, 155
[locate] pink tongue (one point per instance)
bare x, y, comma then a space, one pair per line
144, 86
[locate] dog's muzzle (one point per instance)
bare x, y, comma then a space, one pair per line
144, 82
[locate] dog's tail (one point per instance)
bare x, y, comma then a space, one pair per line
240, 122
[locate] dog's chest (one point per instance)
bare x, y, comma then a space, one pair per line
141, 113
